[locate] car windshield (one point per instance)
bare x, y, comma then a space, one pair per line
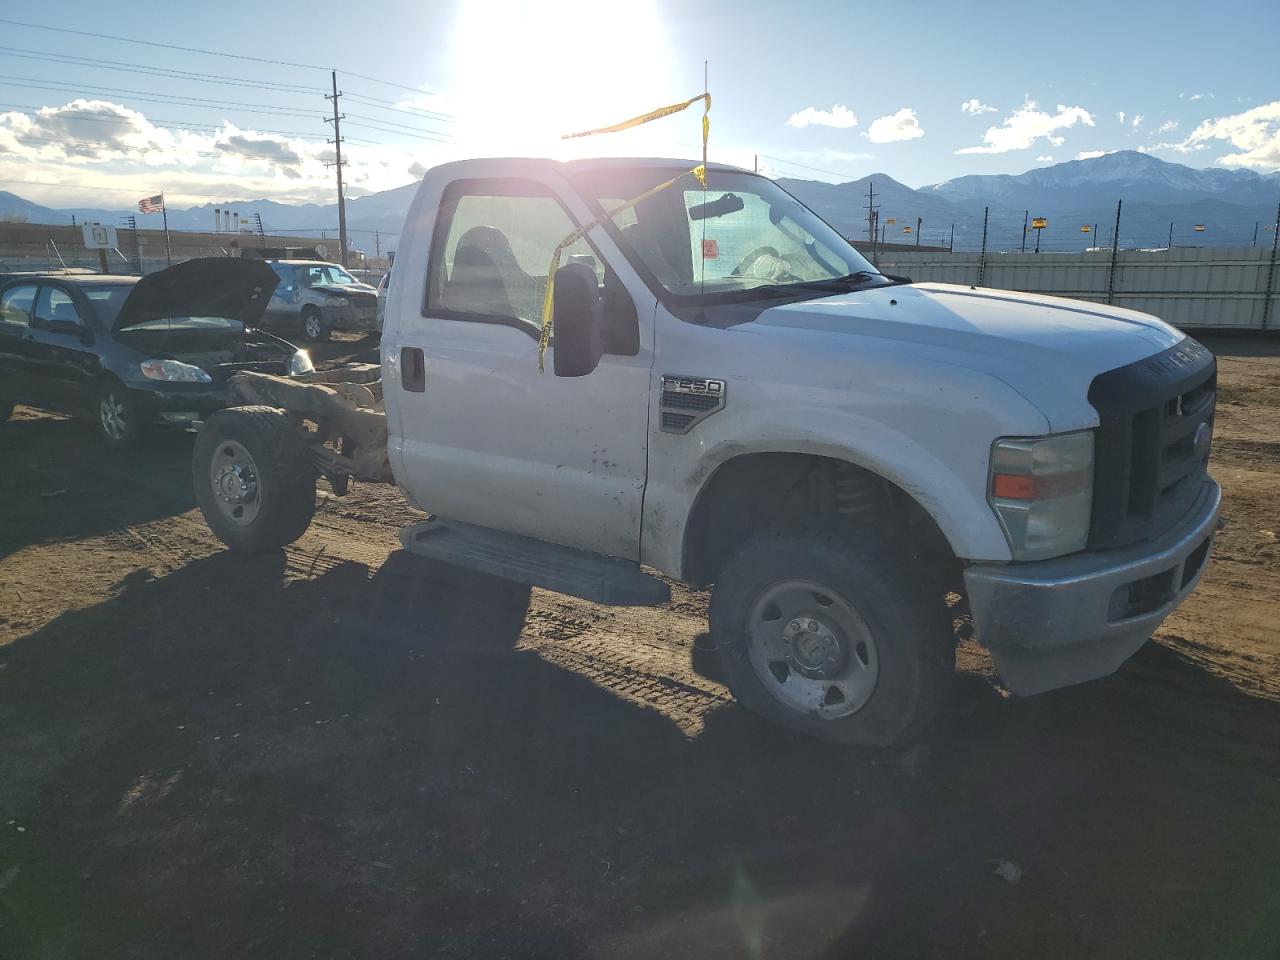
321, 274
107, 300
739, 237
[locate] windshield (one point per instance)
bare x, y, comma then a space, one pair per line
107, 300
320, 274
740, 235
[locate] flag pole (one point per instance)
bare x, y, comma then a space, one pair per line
164, 212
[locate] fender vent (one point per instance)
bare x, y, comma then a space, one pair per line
687, 400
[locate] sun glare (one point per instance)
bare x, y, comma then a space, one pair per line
527, 73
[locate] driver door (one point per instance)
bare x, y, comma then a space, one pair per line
488, 438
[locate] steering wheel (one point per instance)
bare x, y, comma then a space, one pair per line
751, 258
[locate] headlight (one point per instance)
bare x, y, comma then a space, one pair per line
1042, 491
300, 363
338, 301
174, 371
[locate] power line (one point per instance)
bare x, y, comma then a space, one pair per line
194, 101
210, 53
160, 98
379, 104
792, 163
156, 43
193, 126
215, 78
402, 133
125, 147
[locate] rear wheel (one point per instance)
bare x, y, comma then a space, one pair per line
837, 637
253, 480
116, 416
313, 327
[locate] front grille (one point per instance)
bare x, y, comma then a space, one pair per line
1152, 451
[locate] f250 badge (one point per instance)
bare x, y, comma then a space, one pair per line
686, 401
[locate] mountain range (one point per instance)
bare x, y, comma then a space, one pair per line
1230, 204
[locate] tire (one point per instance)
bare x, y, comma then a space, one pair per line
116, 417
253, 480
882, 641
313, 327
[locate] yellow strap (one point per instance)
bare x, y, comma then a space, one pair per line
548, 296
699, 173
645, 118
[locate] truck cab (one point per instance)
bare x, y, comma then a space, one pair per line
732, 395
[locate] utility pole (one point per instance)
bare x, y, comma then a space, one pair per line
258, 217
1255, 229
377, 244
951, 244
1170, 243
871, 210
1024, 230
1271, 271
337, 163
1115, 250
755, 162
919, 221
982, 258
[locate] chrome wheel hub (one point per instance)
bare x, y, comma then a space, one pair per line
811, 649
111, 411
233, 477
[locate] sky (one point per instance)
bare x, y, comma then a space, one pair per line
922, 91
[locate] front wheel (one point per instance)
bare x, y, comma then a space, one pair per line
253, 480
837, 637
117, 419
313, 327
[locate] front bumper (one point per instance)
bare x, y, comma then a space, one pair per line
1056, 622
179, 403
352, 318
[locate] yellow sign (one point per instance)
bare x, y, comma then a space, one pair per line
1198, 228
891, 220
1086, 229
1039, 223
906, 229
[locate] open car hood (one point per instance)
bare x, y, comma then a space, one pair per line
346, 289
208, 287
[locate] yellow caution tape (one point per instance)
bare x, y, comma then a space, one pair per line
699, 173
644, 118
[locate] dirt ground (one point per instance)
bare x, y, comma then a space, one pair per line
341, 751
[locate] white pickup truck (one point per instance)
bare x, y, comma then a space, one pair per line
735, 397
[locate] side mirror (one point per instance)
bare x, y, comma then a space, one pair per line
575, 321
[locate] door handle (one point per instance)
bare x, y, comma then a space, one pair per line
413, 369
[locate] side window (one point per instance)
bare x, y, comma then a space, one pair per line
55, 304
15, 305
492, 249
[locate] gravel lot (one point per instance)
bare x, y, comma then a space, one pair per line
341, 751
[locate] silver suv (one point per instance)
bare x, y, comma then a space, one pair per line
318, 297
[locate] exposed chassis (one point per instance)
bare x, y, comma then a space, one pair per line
344, 405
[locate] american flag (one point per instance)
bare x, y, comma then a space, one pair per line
152, 204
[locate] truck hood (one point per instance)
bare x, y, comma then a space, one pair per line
208, 287
1049, 349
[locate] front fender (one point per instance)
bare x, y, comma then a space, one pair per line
937, 456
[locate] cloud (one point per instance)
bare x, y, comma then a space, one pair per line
1120, 115
975, 107
1195, 96
1255, 134
259, 147
1022, 128
1168, 126
1137, 120
839, 116
1091, 154
1047, 158
894, 127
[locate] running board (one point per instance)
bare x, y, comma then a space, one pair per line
578, 573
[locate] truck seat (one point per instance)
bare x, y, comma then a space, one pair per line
487, 278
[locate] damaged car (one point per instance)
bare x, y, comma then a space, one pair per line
316, 298
132, 352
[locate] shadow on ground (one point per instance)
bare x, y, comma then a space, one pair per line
71, 487
226, 761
